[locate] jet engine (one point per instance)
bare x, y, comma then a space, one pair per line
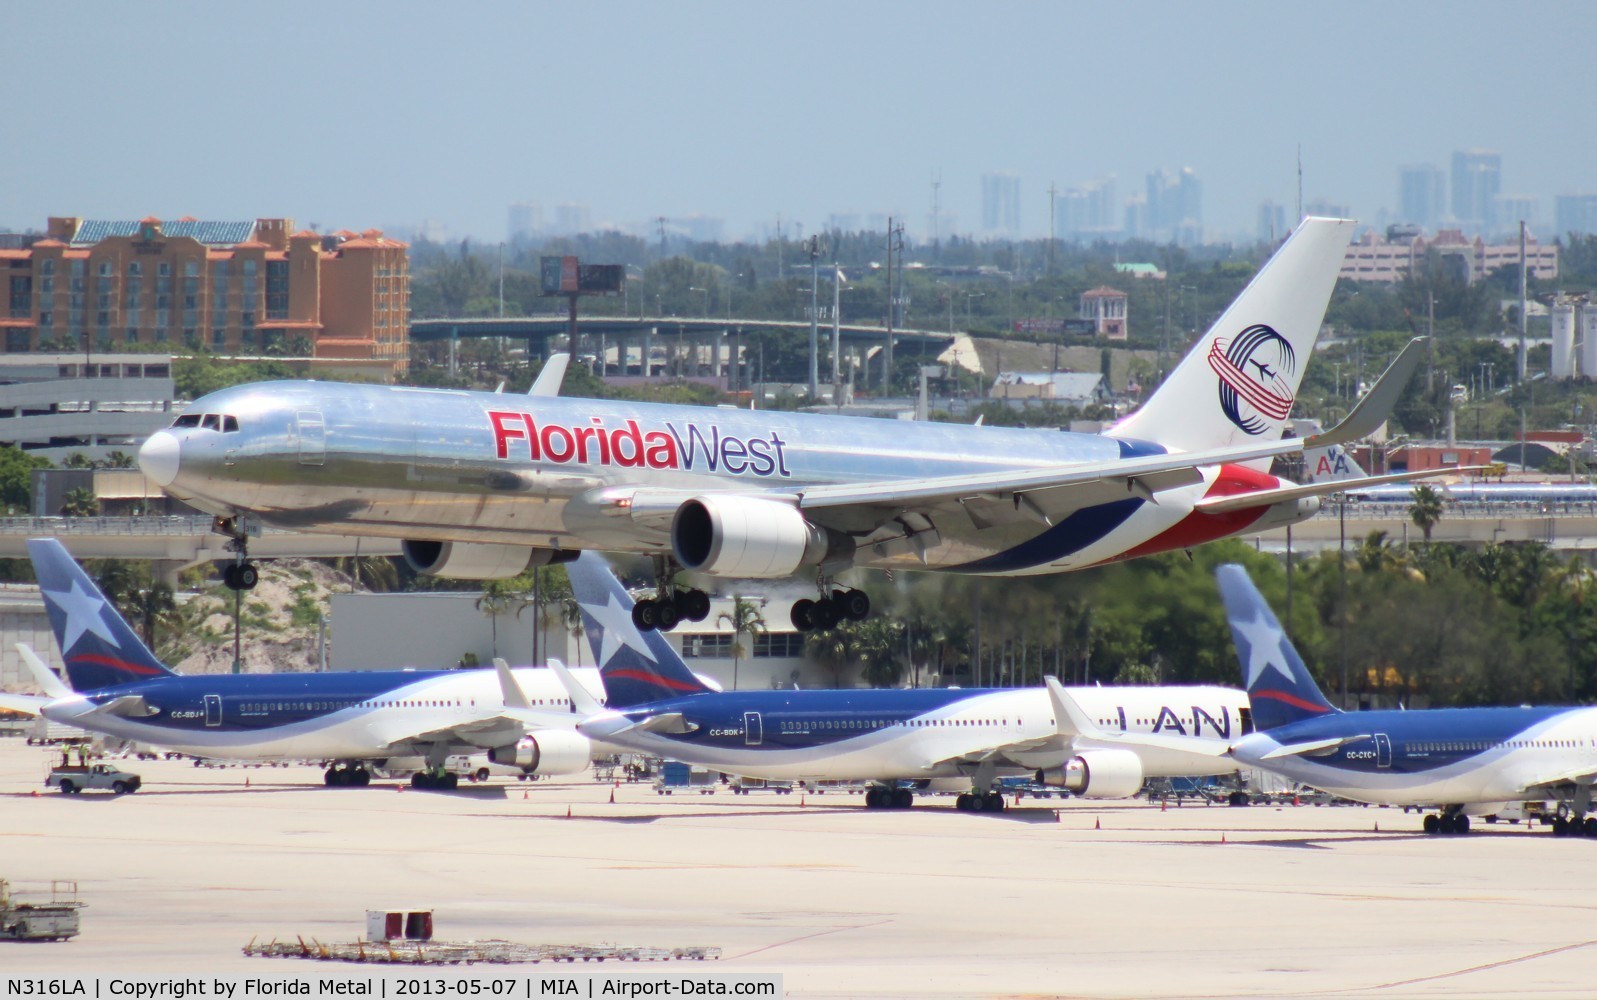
476, 561
551, 751
751, 537
1098, 774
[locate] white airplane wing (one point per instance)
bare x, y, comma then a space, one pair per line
49, 682
27, 704
1075, 724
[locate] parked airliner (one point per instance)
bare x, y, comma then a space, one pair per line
657, 706
1463, 760
115, 686
481, 485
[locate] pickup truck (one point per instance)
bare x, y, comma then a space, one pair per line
71, 778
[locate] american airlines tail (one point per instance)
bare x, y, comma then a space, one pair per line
1240, 381
99, 648
637, 667
1280, 688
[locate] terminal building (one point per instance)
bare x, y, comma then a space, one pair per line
235, 288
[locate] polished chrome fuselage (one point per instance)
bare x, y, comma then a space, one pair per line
543, 471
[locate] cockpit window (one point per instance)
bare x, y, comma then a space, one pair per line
229, 424
187, 420
211, 422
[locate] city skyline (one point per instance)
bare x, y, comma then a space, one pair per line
720, 118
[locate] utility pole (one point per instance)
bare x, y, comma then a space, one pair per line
1522, 319
887, 353
837, 333
813, 245
937, 212
1051, 235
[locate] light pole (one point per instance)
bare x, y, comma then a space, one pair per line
501, 279
813, 246
706, 291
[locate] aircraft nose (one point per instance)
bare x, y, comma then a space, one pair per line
159, 456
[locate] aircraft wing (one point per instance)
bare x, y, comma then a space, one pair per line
27, 704
48, 680
1219, 505
1074, 724
1048, 493
1002, 753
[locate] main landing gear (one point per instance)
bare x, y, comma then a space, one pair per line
240, 574
981, 802
672, 606
883, 797
435, 782
1571, 820
346, 773
842, 604
1449, 821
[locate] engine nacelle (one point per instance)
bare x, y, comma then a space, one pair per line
1098, 774
754, 537
476, 561
550, 751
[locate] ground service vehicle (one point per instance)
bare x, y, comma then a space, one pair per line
72, 778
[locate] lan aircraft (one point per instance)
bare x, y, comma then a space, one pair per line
657, 706
384, 718
1462, 760
481, 485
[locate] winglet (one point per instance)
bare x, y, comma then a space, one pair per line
48, 680
1369, 413
1069, 717
549, 378
581, 699
515, 697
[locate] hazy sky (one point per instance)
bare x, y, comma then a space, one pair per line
355, 114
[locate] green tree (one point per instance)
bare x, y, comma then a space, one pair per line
499, 596
745, 618
16, 478
80, 502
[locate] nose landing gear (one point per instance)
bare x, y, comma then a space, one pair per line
241, 574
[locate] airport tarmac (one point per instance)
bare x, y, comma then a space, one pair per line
1073, 898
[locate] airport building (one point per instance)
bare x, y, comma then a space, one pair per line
236, 288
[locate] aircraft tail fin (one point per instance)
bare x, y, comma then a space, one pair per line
98, 646
1239, 382
637, 667
1280, 688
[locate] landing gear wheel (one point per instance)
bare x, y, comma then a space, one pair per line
994, 801
803, 615
666, 615
420, 780
1433, 824
693, 605
646, 615
873, 798
963, 802
1560, 826
855, 605
240, 576
826, 613
1460, 825
1589, 827
903, 798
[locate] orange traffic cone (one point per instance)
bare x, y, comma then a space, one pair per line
246, 781
523, 795
1222, 836
1097, 824
1164, 805
801, 802
612, 796
568, 812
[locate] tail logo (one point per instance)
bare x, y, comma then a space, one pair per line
84, 613
1254, 391
1263, 653
616, 631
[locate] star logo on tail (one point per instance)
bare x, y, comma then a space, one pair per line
1265, 650
616, 631
85, 613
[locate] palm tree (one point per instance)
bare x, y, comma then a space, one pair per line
744, 617
80, 502
879, 645
1426, 509
499, 596
118, 460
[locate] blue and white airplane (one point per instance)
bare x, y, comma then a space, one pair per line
657, 706
1462, 760
397, 719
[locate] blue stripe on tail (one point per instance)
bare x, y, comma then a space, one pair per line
636, 667
98, 647
1280, 688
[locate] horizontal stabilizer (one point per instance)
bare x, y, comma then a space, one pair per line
667, 724
1313, 748
27, 704
1241, 501
1370, 412
48, 680
128, 706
